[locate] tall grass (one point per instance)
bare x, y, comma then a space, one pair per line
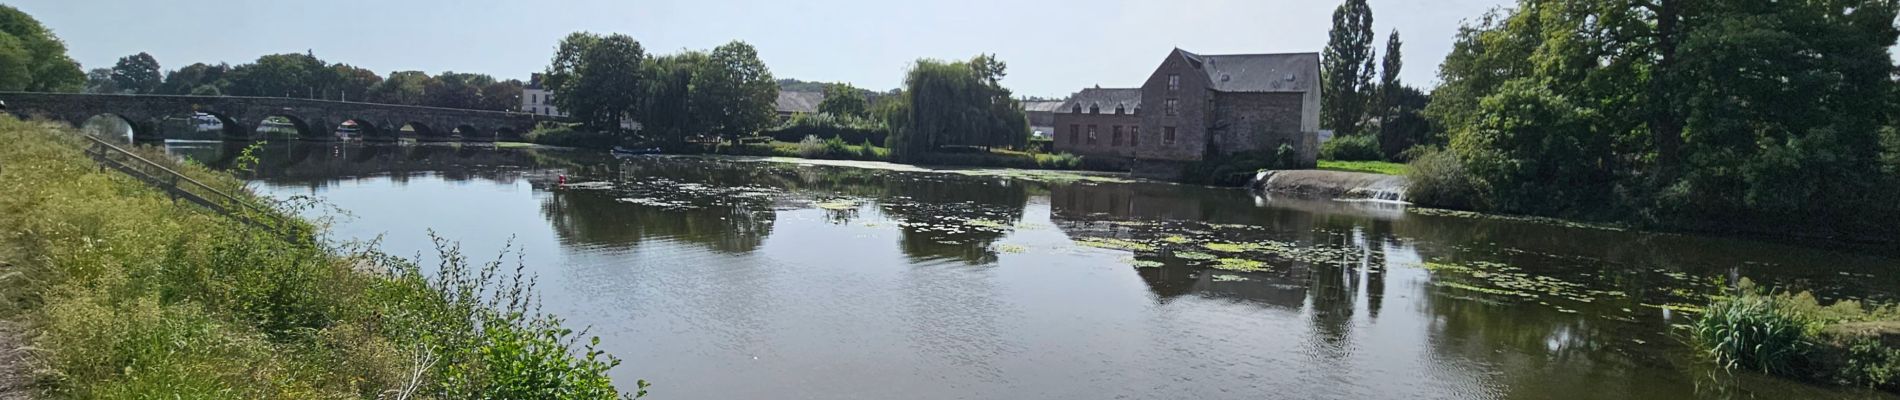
1794, 335
132, 295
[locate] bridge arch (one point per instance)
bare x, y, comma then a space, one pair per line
298, 128
424, 133
365, 130
117, 127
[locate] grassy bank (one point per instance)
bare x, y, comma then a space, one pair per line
1793, 335
1370, 167
128, 294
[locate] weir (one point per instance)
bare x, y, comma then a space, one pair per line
1333, 184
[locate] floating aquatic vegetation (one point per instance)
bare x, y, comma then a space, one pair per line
672, 204
985, 223
1231, 247
1241, 265
1116, 244
838, 204
1177, 239
1230, 278
1011, 249
1195, 255
1142, 263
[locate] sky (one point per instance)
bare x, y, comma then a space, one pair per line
1053, 47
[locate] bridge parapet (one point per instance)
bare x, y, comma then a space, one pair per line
242, 116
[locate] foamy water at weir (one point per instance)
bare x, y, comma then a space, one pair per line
1348, 186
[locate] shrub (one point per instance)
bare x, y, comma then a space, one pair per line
1351, 148
851, 129
1437, 178
570, 135
1794, 335
812, 147
141, 297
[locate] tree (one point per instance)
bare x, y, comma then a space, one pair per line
1400, 126
734, 91
456, 90
188, 79
669, 113
138, 73
280, 75
402, 87
598, 78
954, 104
32, 58
352, 83
99, 81
1348, 68
502, 95
842, 99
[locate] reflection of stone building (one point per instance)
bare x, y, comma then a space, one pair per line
1195, 106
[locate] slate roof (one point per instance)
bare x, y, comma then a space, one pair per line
1042, 106
799, 102
1289, 72
1107, 99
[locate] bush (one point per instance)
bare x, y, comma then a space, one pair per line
850, 129
137, 296
1794, 335
1437, 178
1351, 148
570, 135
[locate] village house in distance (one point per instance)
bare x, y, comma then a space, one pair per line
1198, 106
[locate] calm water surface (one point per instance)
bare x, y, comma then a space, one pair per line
730, 278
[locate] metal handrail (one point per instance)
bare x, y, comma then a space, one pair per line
170, 183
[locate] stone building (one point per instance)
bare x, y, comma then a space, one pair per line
1042, 117
538, 99
1198, 106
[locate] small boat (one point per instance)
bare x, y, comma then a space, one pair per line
622, 151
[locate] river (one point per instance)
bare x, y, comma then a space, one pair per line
724, 278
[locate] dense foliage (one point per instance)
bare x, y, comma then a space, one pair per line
955, 104
1351, 148
608, 82
32, 58
1738, 115
826, 126
1347, 69
844, 100
600, 79
1794, 335
306, 76
134, 295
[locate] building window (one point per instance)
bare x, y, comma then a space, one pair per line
1077, 109
1075, 131
1117, 139
1121, 109
1173, 107
1134, 136
1095, 109
1091, 134
1174, 82
1167, 136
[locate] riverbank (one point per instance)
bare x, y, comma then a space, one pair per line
128, 294
1793, 335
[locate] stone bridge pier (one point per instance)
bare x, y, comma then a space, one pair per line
313, 120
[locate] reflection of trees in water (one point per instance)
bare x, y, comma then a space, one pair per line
596, 219
937, 216
317, 164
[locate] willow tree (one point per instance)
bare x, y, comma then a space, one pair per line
955, 104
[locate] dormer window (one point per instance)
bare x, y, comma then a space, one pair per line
1120, 109
1095, 109
1077, 110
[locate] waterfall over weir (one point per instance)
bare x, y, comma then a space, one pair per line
1333, 184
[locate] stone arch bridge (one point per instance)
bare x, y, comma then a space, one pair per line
315, 120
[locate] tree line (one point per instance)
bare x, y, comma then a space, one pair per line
1382, 117
1741, 115
308, 77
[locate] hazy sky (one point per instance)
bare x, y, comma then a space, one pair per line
1053, 47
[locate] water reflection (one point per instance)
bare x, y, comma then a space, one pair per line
734, 278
